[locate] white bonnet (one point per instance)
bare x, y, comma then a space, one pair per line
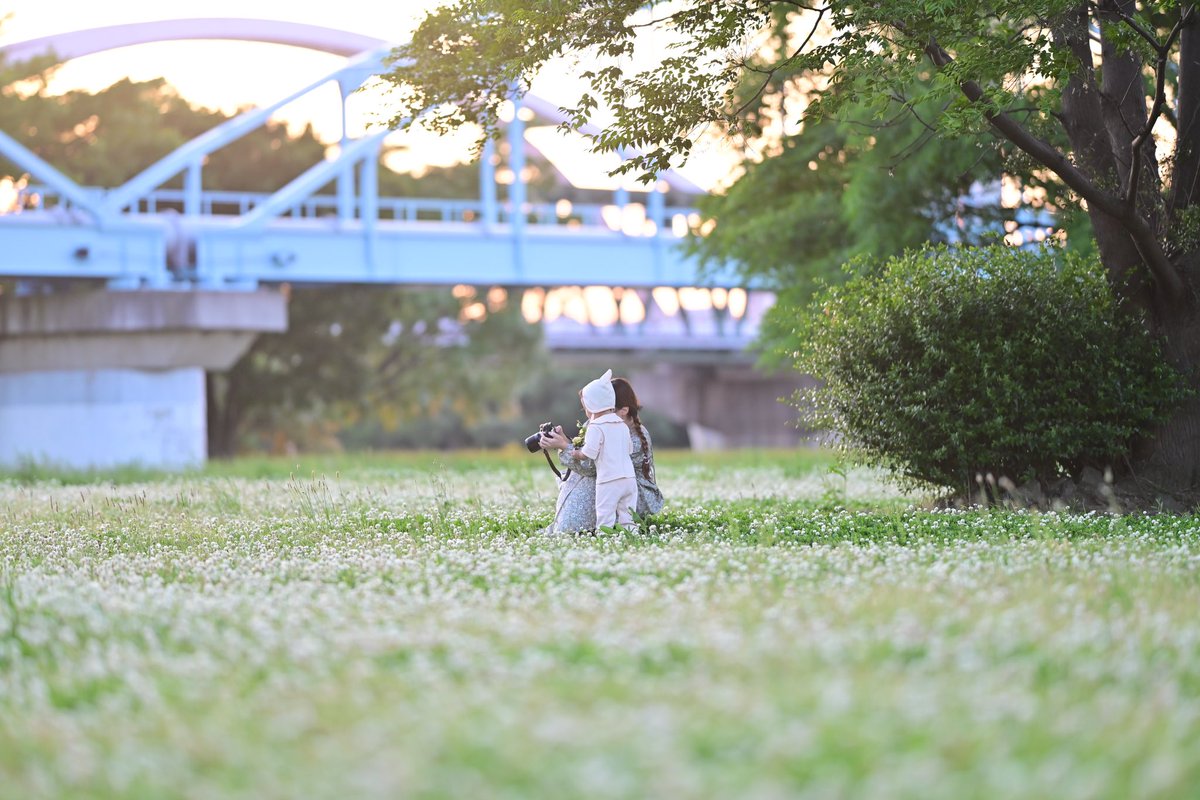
599, 395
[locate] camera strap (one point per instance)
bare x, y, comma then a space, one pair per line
561, 477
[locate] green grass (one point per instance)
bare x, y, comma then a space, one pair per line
396, 626
382, 464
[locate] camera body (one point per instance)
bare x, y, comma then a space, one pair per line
533, 443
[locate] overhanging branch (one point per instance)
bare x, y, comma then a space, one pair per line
1139, 230
1160, 99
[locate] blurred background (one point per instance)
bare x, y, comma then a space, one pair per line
211, 245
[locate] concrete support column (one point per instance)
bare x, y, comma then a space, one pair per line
103, 418
101, 379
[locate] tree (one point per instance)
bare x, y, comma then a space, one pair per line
1076, 88
390, 354
107, 137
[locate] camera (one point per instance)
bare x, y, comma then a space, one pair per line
533, 443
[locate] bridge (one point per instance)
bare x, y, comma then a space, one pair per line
185, 278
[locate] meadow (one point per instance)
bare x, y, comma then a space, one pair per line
394, 626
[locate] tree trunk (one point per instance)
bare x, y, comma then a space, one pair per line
1123, 100
1165, 465
1185, 185
1102, 126
1167, 462
1089, 120
222, 416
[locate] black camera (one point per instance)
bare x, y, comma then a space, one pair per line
533, 443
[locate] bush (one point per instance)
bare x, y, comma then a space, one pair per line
947, 363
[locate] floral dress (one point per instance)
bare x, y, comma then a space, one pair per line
576, 506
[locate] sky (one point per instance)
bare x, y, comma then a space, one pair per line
217, 74
228, 75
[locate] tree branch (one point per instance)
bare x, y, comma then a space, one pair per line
1160, 99
1143, 237
1137, 27
1185, 182
771, 73
658, 21
1122, 92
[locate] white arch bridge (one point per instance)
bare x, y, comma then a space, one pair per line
186, 277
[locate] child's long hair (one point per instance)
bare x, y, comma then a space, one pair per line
626, 397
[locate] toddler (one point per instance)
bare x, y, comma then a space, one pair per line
607, 442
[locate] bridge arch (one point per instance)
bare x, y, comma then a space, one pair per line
75, 44
368, 51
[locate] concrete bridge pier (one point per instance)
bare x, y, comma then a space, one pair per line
102, 379
725, 406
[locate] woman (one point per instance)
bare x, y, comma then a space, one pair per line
575, 509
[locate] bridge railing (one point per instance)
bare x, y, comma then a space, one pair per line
214, 203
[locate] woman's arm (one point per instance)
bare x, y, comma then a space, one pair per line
569, 455
571, 458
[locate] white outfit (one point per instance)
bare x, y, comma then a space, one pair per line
608, 443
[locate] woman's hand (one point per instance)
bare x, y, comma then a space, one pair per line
555, 440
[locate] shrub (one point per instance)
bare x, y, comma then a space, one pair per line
947, 363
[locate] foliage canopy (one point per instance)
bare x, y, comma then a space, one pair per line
658, 74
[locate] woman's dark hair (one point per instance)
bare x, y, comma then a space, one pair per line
626, 397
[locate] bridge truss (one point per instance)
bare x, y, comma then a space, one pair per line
141, 235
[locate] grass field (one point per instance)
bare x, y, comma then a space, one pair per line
395, 626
